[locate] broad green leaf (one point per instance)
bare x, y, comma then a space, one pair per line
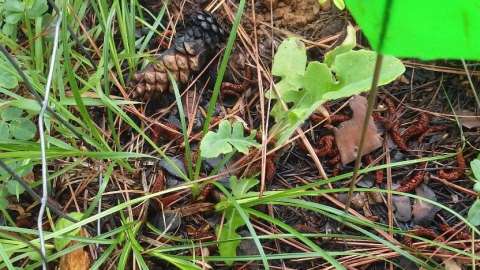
14, 6
7, 79
4, 131
474, 213
61, 243
476, 187
23, 129
13, 18
14, 188
475, 165
227, 247
347, 45
11, 113
318, 81
38, 8
8, 29
354, 72
225, 139
289, 63
242, 186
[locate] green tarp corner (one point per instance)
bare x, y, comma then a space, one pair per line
425, 29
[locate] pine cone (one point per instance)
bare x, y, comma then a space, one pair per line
193, 46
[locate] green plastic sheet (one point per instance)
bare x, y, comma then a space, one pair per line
425, 29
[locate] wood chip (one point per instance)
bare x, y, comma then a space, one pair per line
348, 134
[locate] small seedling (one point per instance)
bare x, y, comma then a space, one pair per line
227, 139
227, 234
14, 125
304, 86
13, 11
8, 185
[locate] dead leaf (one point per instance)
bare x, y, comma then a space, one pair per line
403, 208
79, 259
468, 119
348, 134
424, 212
451, 265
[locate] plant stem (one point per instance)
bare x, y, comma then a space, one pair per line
371, 102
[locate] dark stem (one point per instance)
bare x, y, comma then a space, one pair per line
370, 105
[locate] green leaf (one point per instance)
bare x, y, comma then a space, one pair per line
242, 186
12, 6
475, 165
23, 129
225, 139
11, 113
14, 188
474, 213
4, 131
340, 4
3, 198
354, 72
318, 81
347, 45
61, 243
228, 236
229, 239
289, 63
38, 8
476, 187
7, 79
13, 18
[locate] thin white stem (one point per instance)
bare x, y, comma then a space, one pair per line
43, 201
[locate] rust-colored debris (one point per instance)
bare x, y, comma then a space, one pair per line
457, 173
414, 181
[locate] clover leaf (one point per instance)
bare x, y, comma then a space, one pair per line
225, 140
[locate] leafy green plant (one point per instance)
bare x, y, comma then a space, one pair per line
10, 186
62, 223
304, 86
13, 11
227, 139
227, 234
14, 125
474, 211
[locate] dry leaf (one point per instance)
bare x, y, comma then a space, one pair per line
348, 134
424, 212
78, 259
403, 208
468, 119
451, 265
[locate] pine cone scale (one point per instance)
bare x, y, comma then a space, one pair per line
192, 47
